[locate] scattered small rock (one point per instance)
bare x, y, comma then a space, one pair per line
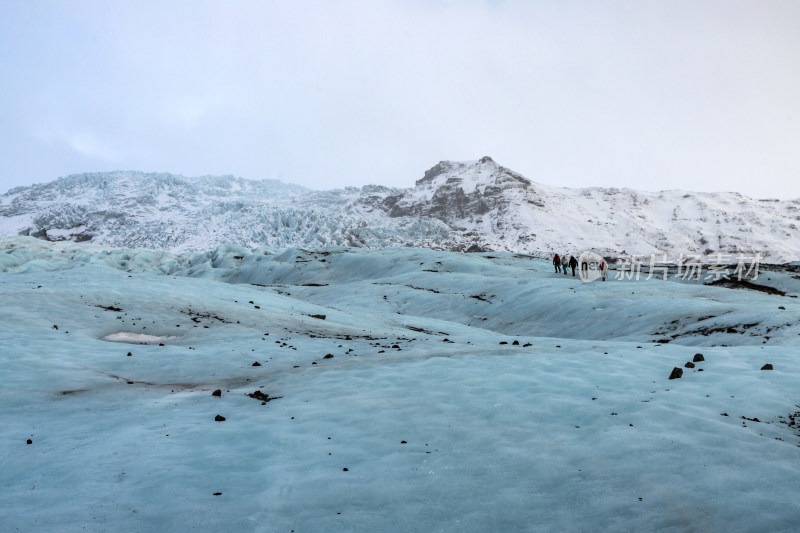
689, 364
29, 441
217, 494
321, 317
219, 418
503, 342
55, 327
781, 307
515, 343
161, 344
129, 354
217, 393
258, 395
698, 357
768, 366
256, 364
330, 355
345, 469
676, 373
403, 442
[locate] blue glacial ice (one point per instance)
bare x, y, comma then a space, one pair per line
414, 390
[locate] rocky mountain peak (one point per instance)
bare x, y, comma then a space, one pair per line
482, 172
457, 191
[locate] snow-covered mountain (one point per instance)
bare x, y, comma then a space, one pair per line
477, 205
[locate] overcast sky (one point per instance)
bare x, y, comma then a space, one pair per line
698, 95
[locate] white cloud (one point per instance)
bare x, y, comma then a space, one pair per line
695, 95
88, 144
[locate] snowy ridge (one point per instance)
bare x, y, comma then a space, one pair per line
167, 212
459, 206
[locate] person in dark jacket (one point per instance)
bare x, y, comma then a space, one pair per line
573, 264
557, 264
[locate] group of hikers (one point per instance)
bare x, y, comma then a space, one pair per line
560, 263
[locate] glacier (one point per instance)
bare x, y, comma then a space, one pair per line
388, 390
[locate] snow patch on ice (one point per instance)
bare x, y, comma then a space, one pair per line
138, 338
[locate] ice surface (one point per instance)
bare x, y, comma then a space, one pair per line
442, 422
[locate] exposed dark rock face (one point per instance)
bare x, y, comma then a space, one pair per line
454, 197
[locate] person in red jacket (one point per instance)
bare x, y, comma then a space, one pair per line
557, 263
